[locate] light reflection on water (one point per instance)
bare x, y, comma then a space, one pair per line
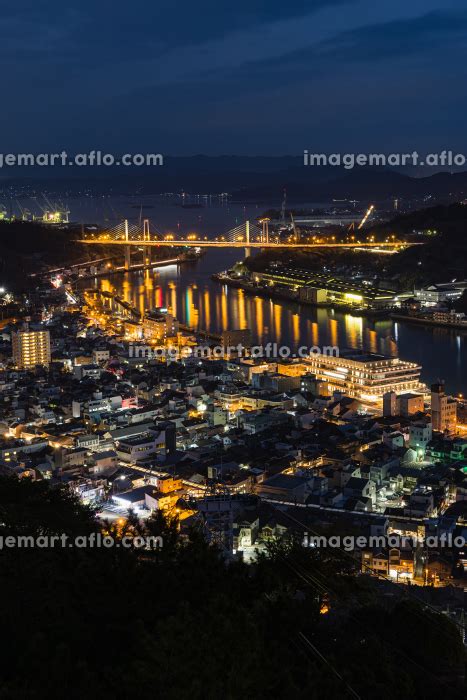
203, 304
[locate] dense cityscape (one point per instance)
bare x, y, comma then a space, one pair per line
137, 414
233, 323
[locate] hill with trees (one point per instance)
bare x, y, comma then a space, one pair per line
443, 257
29, 247
181, 621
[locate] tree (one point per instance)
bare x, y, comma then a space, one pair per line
112, 622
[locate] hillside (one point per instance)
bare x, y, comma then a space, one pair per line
28, 247
443, 256
182, 622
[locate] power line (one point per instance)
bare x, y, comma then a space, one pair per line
407, 591
316, 651
313, 580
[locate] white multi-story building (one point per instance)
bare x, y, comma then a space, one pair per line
439, 293
443, 410
366, 376
420, 434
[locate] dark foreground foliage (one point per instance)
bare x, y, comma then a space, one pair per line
180, 622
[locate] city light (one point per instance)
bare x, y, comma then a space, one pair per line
233, 413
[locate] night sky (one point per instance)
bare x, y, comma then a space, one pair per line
217, 77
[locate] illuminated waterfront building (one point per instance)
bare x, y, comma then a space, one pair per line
366, 376
440, 293
326, 289
30, 348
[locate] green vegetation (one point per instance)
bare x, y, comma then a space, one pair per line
29, 247
300, 258
442, 257
181, 622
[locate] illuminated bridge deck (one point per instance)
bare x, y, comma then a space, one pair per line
241, 244
246, 235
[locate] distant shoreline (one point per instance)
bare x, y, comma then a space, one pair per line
428, 322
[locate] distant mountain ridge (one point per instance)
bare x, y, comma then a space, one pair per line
247, 178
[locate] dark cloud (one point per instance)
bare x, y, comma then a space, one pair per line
264, 76
139, 26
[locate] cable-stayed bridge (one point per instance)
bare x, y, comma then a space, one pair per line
247, 235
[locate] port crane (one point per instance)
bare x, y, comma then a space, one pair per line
295, 232
54, 214
284, 201
368, 213
25, 213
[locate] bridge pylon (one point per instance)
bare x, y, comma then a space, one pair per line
265, 230
247, 238
147, 249
127, 248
